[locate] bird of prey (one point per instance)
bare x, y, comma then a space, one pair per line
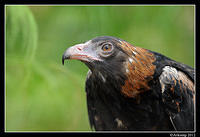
135, 89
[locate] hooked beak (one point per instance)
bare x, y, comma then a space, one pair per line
82, 52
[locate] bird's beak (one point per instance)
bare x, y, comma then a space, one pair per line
82, 52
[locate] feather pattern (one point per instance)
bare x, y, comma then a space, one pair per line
177, 96
131, 88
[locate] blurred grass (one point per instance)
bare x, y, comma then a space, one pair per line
43, 95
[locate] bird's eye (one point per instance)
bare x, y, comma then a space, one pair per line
107, 47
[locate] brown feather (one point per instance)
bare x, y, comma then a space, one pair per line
141, 70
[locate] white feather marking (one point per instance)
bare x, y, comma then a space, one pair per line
172, 123
104, 80
134, 52
170, 70
119, 122
120, 41
89, 73
131, 60
127, 71
96, 118
166, 76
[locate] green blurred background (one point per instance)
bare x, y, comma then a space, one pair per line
44, 95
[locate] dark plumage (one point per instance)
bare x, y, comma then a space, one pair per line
131, 88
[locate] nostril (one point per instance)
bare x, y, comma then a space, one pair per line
79, 48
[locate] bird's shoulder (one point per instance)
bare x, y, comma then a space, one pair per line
178, 94
161, 61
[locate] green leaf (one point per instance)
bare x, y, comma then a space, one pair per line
21, 32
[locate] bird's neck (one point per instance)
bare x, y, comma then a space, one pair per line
139, 71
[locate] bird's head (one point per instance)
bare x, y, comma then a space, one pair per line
111, 57
103, 54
